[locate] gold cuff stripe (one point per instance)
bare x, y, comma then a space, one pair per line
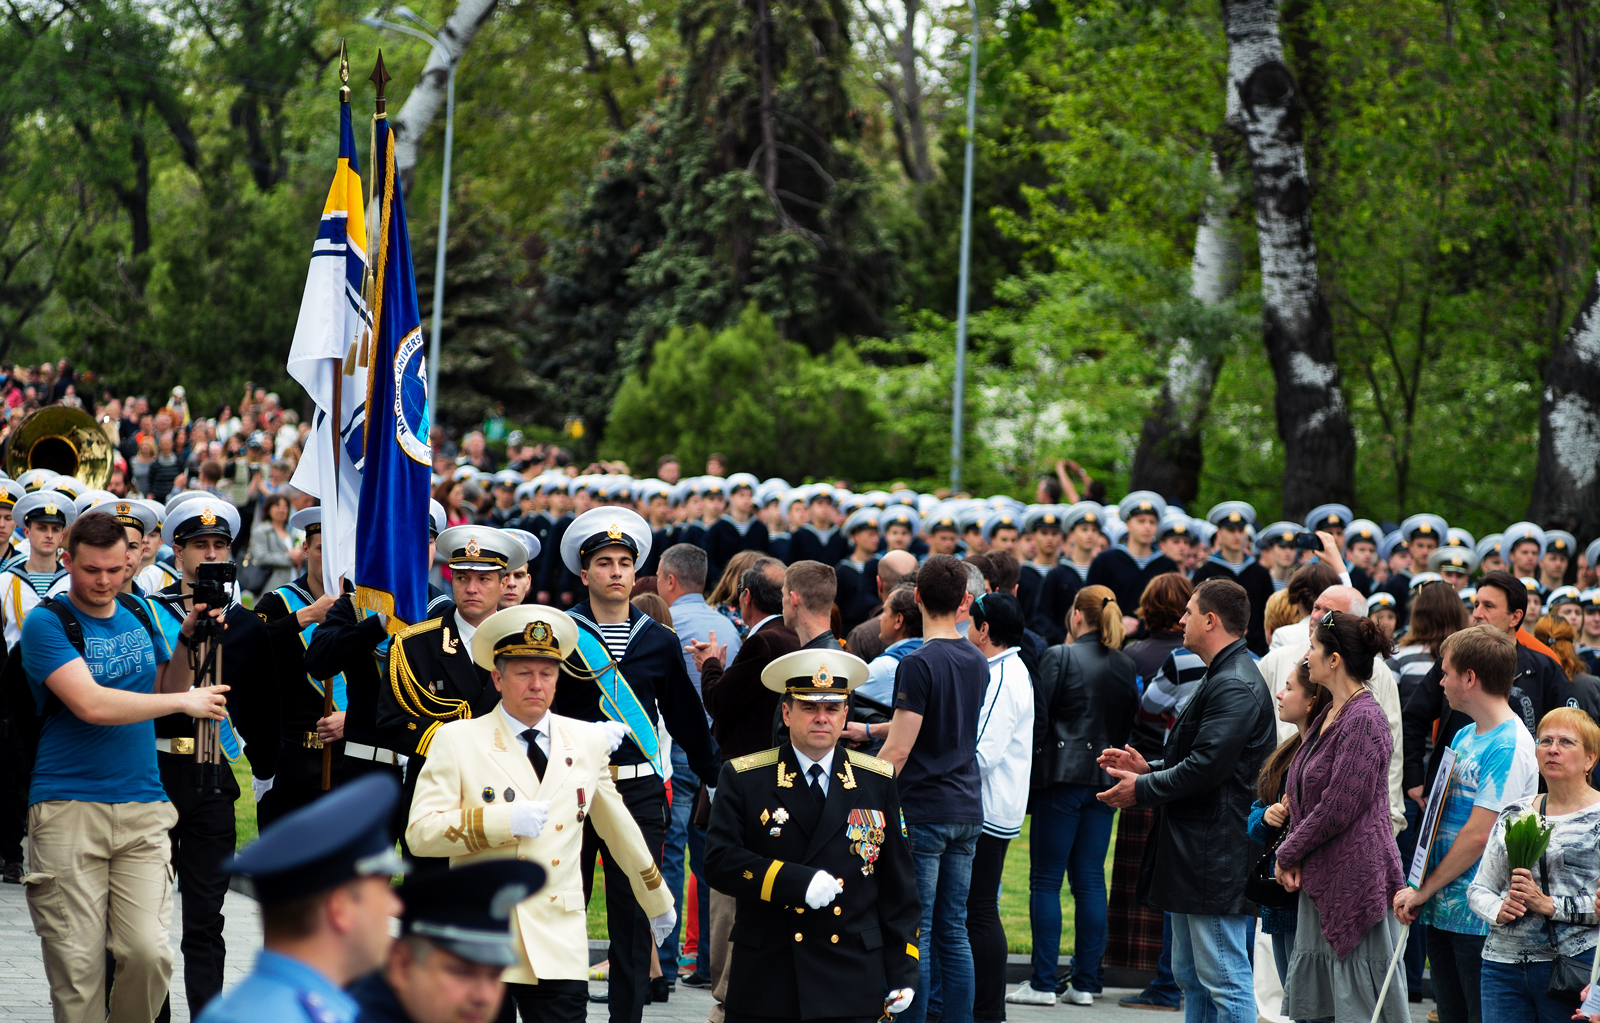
475, 829
652, 877
911, 950
768, 881
426, 741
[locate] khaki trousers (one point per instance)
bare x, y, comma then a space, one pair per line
718, 938
102, 879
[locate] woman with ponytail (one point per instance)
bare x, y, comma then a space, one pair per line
1339, 853
1092, 696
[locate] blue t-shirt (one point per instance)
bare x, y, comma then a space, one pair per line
944, 680
1492, 771
77, 760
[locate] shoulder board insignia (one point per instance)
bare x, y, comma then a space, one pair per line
882, 767
419, 628
766, 758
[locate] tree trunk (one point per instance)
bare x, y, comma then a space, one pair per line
422, 106
1313, 420
1169, 458
1566, 484
769, 141
911, 86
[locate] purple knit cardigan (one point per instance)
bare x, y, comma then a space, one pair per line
1339, 822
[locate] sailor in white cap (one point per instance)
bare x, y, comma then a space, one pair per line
1454, 565
518, 580
1522, 545
1234, 560
737, 529
44, 516
1560, 547
819, 538
503, 485
1129, 565
10, 537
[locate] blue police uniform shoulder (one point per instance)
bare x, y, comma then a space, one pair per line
282, 990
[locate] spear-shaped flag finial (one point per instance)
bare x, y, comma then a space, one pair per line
380, 77
344, 73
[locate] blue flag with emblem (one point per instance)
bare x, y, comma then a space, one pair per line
617, 699
392, 526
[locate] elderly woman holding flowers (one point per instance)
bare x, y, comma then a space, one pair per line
1536, 882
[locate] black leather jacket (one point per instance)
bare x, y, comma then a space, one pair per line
1091, 695
1197, 855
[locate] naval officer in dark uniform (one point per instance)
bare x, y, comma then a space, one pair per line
808, 837
321, 875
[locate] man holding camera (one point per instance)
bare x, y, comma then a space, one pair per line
200, 531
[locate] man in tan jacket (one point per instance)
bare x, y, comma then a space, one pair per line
520, 782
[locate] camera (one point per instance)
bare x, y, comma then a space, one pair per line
1307, 541
213, 583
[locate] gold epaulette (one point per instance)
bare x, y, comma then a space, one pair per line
766, 758
883, 767
419, 628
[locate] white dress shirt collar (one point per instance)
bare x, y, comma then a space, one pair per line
805, 766
542, 730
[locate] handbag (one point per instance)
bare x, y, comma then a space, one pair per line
1262, 887
1568, 976
252, 577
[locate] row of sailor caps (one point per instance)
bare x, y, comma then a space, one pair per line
1550, 541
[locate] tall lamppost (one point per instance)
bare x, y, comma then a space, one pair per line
444, 192
966, 263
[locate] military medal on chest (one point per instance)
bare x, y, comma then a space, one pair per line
864, 829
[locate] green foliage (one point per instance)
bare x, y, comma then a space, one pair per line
1526, 840
771, 406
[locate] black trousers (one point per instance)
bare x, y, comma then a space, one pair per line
298, 782
549, 1001
203, 837
985, 931
631, 944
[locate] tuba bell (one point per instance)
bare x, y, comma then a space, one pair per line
64, 440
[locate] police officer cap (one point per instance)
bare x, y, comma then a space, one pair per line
1381, 600
1391, 543
508, 478
72, 486
1592, 554
468, 910
437, 519
1489, 545
141, 515
1141, 502
1519, 532
1042, 516
743, 479
91, 498
1174, 523
1237, 514
1564, 595
1279, 534
1463, 560
1424, 524
206, 515
1083, 512
1458, 537
996, 521
1559, 541
815, 676
861, 518
524, 630
902, 515
481, 549
604, 527
1422, 579
307, 520
10, 493
1363, 531
340, 837
46, 506
1329, 518
38, 479
530, 543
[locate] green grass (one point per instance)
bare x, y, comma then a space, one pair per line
244, 809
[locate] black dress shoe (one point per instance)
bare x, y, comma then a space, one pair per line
695, 980
660, 991
12, 874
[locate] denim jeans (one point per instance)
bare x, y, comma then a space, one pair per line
1457, 962
680, 835
1165, 986
1514, 993
1211, 958
942, 855
1070, 834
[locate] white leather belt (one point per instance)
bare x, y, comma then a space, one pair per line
360, 752
182, 747
622, 772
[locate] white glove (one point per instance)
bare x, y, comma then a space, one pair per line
528, 819
615, 731
661, 927
899, 1000
824, 887
260, 786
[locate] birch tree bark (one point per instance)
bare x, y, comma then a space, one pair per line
1313, 419
1169, 458
1566, 484
428, 96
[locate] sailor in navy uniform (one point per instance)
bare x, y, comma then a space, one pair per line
1233, 560
858, 574
1365, 534
504, 485
44, 516
10, 493
322, 877
809, 838
463, 917
820, 539
1130, 565
293, 613
601, 547
1079, 523
201, 531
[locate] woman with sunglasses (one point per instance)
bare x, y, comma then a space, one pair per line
1339, 852
1536, 914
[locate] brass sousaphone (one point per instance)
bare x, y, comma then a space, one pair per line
62, 439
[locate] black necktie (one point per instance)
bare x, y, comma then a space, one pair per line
535, 754
815, 776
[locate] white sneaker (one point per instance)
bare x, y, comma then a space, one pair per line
1027, 994
1076, 997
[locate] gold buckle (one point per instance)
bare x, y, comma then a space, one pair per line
183, 746
310, 740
